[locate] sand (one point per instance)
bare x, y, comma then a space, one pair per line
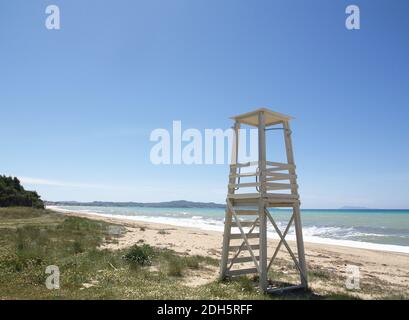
382, 274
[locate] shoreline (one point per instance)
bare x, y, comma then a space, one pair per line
307, 239
381, 273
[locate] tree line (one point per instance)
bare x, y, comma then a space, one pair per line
12, 194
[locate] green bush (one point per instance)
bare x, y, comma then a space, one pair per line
140, 255
13, 194
77, 247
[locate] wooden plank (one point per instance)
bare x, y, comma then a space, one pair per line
278, 186
282, 196
243, 165
278, 204
244, 203
246, 174
240, 272
283, 290
272, 118
282, 202
270, 186
269, 174
276, 164
243, 224
248, 236
242, 259
253, 247
246, 212
245, 185
244, 196
281, 168
280, 176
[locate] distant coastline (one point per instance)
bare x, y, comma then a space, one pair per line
167, 204
186, 204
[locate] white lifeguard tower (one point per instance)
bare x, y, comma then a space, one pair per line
272, 185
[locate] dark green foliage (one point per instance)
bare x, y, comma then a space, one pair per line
141, 255
12, 194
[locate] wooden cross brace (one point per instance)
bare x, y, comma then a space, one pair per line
283, 241
242, 244
244, 235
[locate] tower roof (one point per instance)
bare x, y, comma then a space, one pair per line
271, 117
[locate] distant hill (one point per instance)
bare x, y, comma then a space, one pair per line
12, 194
169, 204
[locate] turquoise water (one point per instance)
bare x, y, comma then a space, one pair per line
377, 229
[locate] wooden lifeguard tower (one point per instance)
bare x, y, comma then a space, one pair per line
272, 185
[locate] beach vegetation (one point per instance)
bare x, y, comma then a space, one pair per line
317, 273
33, 239
174, 266
13, 194
140, 255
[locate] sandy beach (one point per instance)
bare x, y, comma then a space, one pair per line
382, 274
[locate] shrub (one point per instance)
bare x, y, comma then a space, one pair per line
175, 266
141, 255
77, 246
193, 262
12, 194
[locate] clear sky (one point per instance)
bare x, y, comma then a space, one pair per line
77, 105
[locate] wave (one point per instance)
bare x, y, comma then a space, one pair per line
340, 236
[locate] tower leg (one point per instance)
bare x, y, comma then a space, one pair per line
296, 208
261, 203
228, 218
300, 245
226, 243
263, 246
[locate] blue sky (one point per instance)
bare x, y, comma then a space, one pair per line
77, 105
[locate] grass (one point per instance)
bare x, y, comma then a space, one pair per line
321, 274
31, 240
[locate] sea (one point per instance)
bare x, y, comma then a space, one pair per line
385, 230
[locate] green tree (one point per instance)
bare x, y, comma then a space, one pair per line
12, 194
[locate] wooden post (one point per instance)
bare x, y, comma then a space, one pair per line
228, 217
296, 207
261, 204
